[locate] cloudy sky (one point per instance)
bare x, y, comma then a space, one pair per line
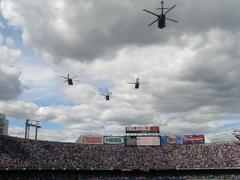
192, 67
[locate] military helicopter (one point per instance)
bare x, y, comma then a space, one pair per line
161, 18
107, 95
137, 83
70, 80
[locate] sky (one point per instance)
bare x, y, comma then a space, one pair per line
191, 67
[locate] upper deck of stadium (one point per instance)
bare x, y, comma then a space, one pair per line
17, 153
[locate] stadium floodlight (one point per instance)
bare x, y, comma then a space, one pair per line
236, 133
34, 123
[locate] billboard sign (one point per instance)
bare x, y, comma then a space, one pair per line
113, 140
142, 129
193, 139
91, 140
148, 141
172, 139
130, 140
34, 123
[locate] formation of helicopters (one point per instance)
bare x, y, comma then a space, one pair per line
161, 19
107, 95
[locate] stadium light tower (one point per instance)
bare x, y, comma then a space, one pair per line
28, 124
236, 133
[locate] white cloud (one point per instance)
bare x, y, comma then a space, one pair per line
10, 42
46, 134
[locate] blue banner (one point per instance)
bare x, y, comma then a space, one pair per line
193, 139
172, 139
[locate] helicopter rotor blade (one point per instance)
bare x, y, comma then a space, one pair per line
170, 9
74, 76
150, 12
65, 81
172, 20
76, 80
102, 94
63, 77
161, 8
131, 83
153, 22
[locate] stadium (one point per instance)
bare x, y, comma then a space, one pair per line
118, 158
86, 85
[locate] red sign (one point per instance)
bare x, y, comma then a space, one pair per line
143, 129
91, 140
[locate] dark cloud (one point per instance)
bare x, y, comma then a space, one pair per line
10, 85
86, 30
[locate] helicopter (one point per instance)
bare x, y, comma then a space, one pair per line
137, 83
107, 95
70, 80
161, 18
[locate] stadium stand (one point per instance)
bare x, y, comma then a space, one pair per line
21, 154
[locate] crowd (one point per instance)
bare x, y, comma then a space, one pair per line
16, 153
93, 175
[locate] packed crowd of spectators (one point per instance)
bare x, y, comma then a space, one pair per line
16, 153
109, 175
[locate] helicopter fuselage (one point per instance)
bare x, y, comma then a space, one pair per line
70, 82
137, 85
107, 97
161, 21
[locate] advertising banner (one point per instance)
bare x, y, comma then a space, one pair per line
148, 141
130, 140
91, 140
193, 139
113, 140
142, 129
172, 139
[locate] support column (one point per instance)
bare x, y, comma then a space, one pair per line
36, 132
